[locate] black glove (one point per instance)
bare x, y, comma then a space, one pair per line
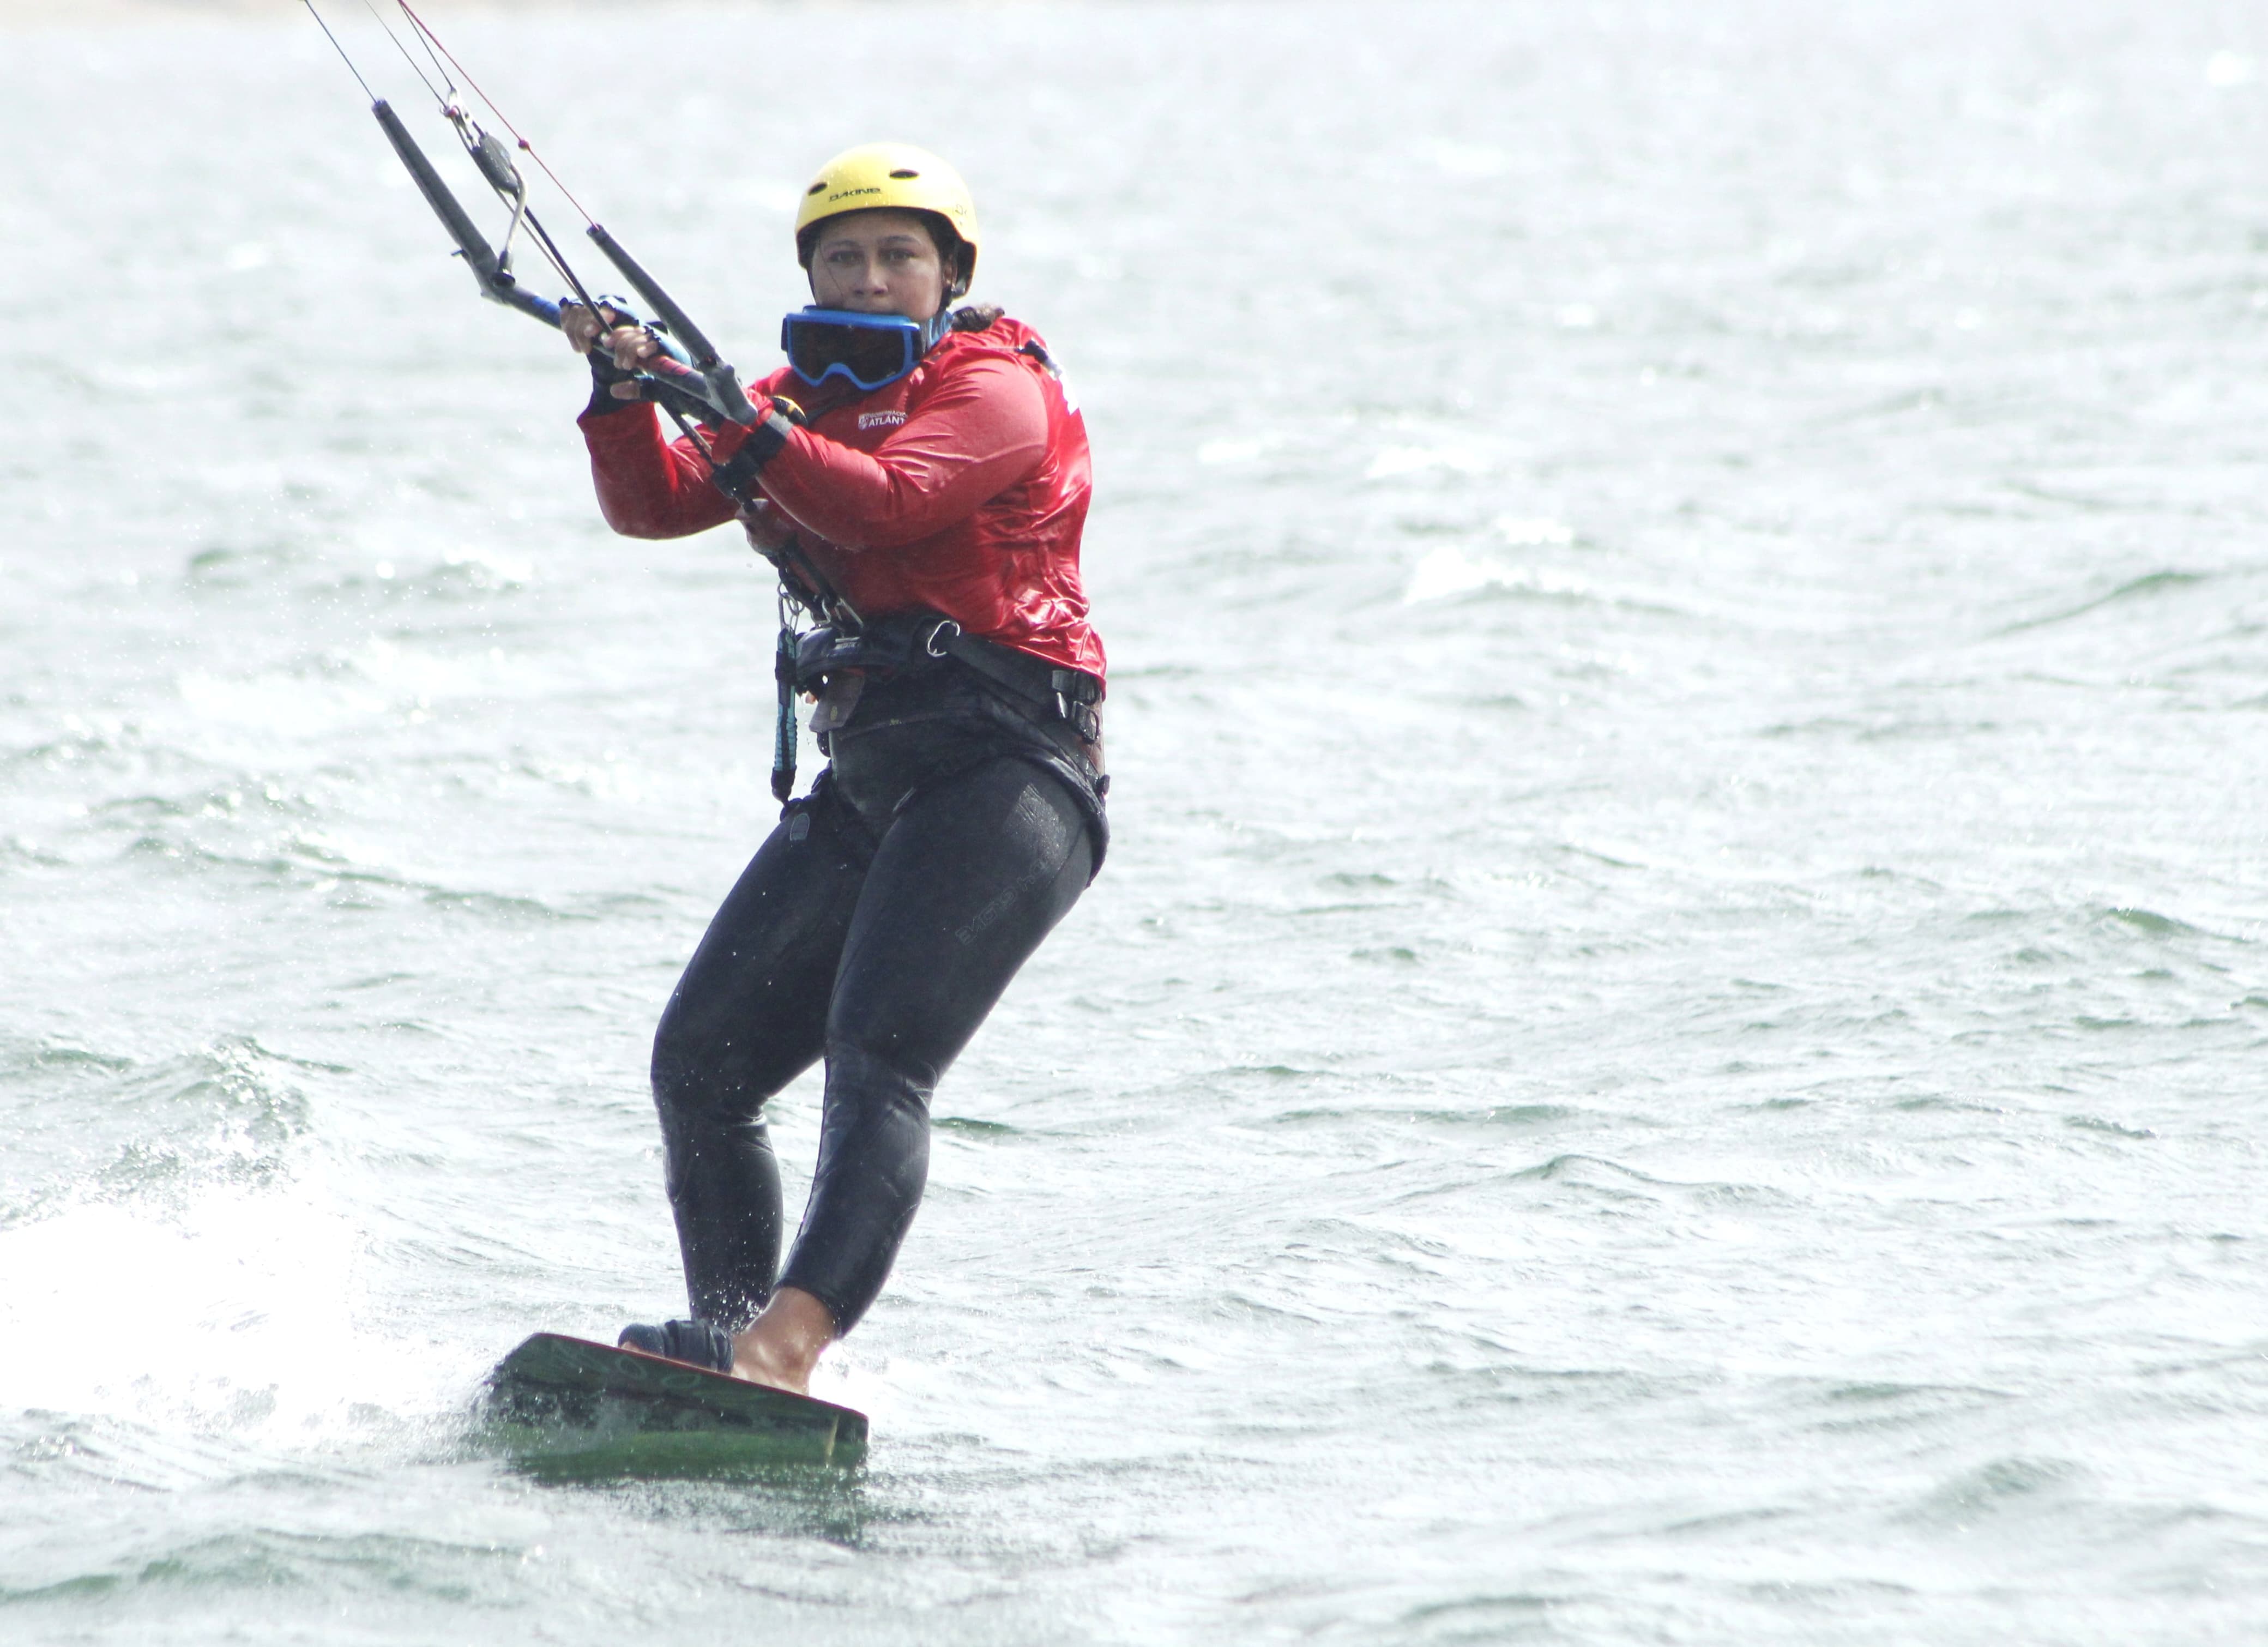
604, 374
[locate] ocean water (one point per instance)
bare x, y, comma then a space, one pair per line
1671, 1046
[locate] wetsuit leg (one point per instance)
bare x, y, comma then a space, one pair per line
973, 874
749, 1016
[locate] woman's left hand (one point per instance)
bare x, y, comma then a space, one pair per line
769, 530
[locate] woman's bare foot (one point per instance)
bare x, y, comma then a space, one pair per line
782, 1345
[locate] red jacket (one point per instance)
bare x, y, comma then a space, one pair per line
961, 489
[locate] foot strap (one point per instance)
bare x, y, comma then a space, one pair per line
702, 1343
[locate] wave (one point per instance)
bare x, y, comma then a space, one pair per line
86, 1125
2153, 585
1451, 573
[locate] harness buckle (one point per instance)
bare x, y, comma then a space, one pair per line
944, 631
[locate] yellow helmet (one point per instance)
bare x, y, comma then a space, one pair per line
895, 176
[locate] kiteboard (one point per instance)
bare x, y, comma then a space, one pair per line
562, 1404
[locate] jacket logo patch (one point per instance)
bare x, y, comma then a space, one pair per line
881, 420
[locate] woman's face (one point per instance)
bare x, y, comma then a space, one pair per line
877, 262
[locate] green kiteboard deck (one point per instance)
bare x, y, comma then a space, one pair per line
568, 1405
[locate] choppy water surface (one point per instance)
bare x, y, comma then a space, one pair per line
1670, 1049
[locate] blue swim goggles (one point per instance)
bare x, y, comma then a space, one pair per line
870, 351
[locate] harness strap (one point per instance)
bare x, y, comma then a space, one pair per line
905, 644
1071, 694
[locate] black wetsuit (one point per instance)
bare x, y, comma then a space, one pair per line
875, 928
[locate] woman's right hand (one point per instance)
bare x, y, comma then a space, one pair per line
631, 346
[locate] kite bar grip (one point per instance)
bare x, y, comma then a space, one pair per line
725, 393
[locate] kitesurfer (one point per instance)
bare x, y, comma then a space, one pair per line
925, 469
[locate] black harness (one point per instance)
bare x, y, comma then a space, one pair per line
914, 643
1059, 702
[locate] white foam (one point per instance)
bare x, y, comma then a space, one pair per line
2230, 69
1449, 572
1398, 460
235, 1314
